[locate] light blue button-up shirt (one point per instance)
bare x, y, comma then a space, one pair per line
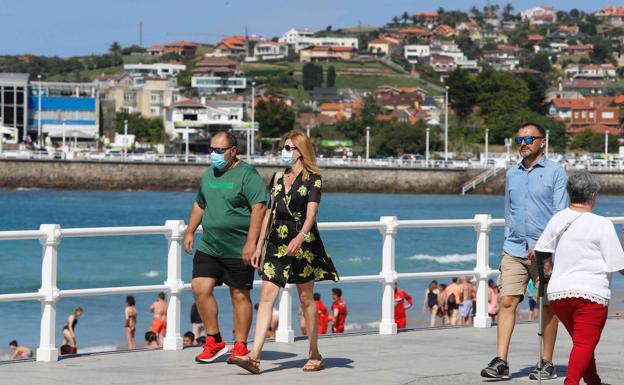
532, 197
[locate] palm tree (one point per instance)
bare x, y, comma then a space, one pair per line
115, 49
405, 16
507, 11
395, 20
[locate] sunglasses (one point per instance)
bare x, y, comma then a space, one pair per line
527, 139
218, 150
290, 148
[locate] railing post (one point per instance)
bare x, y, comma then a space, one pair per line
388, 325
173, 340
285, 332
482, 270
47, 351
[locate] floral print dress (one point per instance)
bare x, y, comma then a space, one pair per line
290, 209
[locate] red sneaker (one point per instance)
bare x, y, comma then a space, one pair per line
212, 350
240, 349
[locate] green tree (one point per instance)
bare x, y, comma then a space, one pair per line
274, 117
312, 75
541, 62
395, 138
508, 12
369, 111
137, 125
590, 141
463, 92
156, 131
115, 49
405, 17
603, 51
501, 93
331, 77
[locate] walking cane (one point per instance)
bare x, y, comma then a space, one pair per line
540, 257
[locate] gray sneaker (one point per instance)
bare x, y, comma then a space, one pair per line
497, 368
548, 371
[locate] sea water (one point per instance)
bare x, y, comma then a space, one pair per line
142, 260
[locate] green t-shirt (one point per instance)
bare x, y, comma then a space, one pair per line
227, 198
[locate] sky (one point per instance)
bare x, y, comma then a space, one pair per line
84, 27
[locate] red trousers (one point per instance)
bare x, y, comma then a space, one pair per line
584, 320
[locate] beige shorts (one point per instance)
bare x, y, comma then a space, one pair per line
515, 274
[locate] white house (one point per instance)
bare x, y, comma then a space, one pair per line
539, 15
161, 70
268, 50
590, 71
416, 53
202, 116
300, 38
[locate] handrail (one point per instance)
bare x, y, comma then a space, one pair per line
50, 237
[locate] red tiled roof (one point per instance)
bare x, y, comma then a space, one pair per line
414, 31
575, 103
383, 40
535, 37
216, 61
612, 11
597, 128
156, 47
444, 29
427, 14
619, 99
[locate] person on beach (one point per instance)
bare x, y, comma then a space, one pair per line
492, 305
69, 330
442, 304
130, 315
465, 308
230, 206
295, 253
431, 301
339, 311
402, 302
323, 314
530, 294
197, 325
585, 252
453, 300
152, 340
188, 339
19, 352
535, 190
274, 322
159, 320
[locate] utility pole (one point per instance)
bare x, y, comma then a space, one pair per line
367, 143
125, 140
39, 134
253, 118
427, 147
446, 89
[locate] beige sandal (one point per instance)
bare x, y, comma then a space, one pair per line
310, 366
247, 363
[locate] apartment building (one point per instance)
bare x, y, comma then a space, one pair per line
218, 75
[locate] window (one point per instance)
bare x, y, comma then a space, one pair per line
607, 115
155, 111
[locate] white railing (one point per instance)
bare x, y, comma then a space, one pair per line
50, 236
481, 178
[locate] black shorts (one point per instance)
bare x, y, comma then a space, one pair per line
232, 272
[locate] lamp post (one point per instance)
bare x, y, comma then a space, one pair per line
547, 141
63, 135
446, 89
39, 114
1, 134
367, 143
427, 147
125, 140
487, 137
607, 149
253, 117
508, 146
186, 139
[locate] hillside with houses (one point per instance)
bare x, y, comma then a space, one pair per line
495, 66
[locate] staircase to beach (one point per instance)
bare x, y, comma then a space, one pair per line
482, 178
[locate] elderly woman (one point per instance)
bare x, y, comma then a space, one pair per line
586, 250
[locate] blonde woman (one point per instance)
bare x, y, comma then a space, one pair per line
295, 253
431, 301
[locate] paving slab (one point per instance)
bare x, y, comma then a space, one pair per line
441, 356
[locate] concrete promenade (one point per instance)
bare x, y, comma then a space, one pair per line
441, 356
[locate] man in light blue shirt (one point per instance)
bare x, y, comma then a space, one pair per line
535, 189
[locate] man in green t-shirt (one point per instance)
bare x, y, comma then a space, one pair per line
230, 205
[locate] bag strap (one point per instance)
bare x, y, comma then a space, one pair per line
276, 177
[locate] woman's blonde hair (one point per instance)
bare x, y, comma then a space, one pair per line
305, 148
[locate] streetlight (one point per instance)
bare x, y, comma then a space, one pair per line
186, 139
607, 149
367, 142
446, 89
39, 114
1, 133
508, 145
63, 135
125, 140
547, 141
427, 147
253, 117
487, 135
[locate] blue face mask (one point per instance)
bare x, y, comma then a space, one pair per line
287, 157
218, 160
